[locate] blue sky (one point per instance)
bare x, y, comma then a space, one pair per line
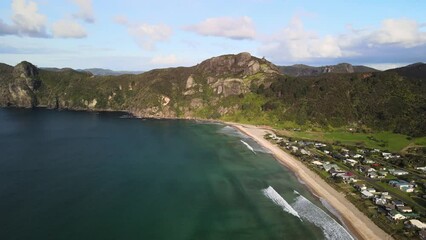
141, 35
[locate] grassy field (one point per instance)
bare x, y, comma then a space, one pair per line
382, 140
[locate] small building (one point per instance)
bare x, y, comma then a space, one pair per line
358, 156
328, 167
402, 185
368, 161
318, 163
305, 152
398, 203
397, 172
421, 169
405, 209
372, 175
395, 215
417, 224
372, 190
366, 194
380, 201
350, 162
360, 187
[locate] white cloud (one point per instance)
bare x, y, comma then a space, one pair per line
228, 27
68, 29
403, 32
27, 21
146, 35
296, 43
86, 10
395, 38
164, 60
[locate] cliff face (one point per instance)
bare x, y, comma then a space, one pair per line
234, 88
173, 92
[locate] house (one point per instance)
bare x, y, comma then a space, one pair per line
395, 215
336, 172
347, 177
397, 172
380, 201
368, 161
328, 167
372, 175
294, 148
386, 195
360, 187
405, 209
366, 194
338, 156
350, 162
305, 152
318, 163
398, 203
421, 168
386, 155
417, 224
402, 185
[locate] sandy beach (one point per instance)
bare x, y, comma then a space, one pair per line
359, 224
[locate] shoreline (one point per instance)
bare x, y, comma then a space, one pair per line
357, 223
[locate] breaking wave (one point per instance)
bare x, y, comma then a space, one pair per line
310, 212
280, 201
248, 146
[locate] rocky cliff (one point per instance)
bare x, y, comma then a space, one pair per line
235, 88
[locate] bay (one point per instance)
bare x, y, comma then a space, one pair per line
88, 175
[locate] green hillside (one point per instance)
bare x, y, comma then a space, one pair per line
239, 88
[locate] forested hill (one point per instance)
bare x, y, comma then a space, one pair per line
236, 88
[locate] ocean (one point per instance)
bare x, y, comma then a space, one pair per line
88, 175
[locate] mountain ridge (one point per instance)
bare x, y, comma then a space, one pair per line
298, 70
233, 87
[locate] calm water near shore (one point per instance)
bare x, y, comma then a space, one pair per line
86, 175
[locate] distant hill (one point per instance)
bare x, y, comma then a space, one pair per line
301, 70
237, 88
107, 72
96, 71
416, 70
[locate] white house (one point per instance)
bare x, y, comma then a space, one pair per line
350, 162
395, 215
418, 224
366, 194
397, 172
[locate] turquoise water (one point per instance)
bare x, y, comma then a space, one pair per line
79, 175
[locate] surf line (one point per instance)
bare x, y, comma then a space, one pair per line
280, 201
248, 146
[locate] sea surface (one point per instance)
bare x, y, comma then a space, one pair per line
87, 175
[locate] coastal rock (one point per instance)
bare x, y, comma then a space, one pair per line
190, 82
242, 64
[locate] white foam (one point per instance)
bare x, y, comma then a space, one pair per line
310, 212
280, 201
230, 131
248, 146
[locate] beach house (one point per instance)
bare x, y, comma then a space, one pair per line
395, 215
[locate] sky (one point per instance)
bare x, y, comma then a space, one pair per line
142, 35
